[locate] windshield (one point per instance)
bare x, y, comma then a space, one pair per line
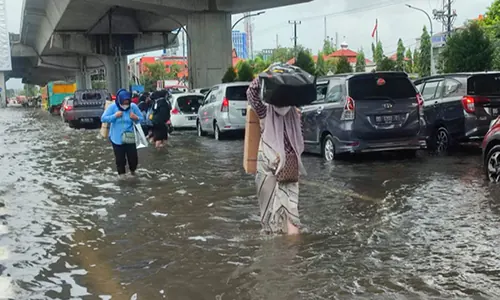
380, 87
238, 93
189, 104
91, 96
488, 84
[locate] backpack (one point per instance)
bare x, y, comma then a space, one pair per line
161, 111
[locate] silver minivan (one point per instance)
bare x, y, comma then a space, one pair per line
223, 109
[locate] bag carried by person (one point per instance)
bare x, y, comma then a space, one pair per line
128, 138
140, 138
286, 85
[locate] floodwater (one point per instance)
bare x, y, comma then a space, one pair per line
377, 228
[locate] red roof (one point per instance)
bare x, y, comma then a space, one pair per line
394, 57
343, 52
350, 59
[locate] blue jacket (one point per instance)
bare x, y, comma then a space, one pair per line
120, 125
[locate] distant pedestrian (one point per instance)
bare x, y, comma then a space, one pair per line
279, 164
160, 117
146, 107
122, 115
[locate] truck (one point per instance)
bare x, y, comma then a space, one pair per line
55, 93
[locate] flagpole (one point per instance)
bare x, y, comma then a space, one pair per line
376, 31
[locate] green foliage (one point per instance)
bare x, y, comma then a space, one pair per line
321, 67
331, 65
154, 72
282, 55
378, 52
343, 66
259, 64
30, 90
400, 56
386, 64
328, 47
491, 25
99, 84
409, 63
305, 62
245, 72
416, 61
229, 76
425, 54
360, 61
468, 50
174, 71
9, 93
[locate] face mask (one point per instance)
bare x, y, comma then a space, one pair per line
125, 107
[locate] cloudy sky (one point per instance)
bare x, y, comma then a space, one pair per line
352, 20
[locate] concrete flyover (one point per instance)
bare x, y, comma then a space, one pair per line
61, 38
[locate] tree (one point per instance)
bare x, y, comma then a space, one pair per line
305, 62
174, 71
343, 66
154, 72
321, 68
491, 24
282, 55
245, 72
9, 93
425, 54
229, 76
386, 64
416, 61
259, 65
328, 47
400, 56
468, 50
378, 52
331, 65
360, 61
30, 90
409, 62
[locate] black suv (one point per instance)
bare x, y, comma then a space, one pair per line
459, 108
364, 112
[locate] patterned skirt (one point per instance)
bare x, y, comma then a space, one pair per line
278, 200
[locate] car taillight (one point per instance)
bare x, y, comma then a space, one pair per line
175, 111
348, 113
68, 107
420, 103
225, 105
469, 102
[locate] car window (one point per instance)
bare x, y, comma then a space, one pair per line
450, 86
335, 94
419, 87
237, 93
381, 87
206, 99
430, 89
321, 91
91, 96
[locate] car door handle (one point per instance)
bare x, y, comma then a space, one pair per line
319, 110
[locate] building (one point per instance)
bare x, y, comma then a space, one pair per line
240, 44
267, 53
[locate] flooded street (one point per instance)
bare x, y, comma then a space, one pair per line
188, 227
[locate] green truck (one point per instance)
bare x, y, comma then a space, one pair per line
56, 91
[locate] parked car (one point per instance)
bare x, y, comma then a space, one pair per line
185, 110
66, 104
87, 108
459, 107
491, 151
364, 112
223, 110
203, 91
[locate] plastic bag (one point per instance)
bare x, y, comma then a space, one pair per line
140, 138
292, 87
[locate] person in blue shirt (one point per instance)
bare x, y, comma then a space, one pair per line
121, 116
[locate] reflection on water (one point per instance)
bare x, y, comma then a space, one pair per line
188, 227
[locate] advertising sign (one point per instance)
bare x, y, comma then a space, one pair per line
5, 58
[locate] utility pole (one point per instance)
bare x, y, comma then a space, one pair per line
295, 23
326, 34
446, 16
277, 41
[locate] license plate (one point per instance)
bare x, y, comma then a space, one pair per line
191, 118
87, 120
243, 112
388, 119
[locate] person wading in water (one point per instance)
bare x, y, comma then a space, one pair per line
279, 163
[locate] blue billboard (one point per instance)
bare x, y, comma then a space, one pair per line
240, 43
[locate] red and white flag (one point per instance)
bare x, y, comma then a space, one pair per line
375, 28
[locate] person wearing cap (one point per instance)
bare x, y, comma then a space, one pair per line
121, 116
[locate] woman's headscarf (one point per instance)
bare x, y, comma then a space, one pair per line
277, 121
121, 96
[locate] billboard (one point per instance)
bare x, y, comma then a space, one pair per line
5, 58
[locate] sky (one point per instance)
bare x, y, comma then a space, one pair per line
352, 20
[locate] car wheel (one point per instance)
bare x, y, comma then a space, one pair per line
199, 129
492, 164
328, 148
442, 141
217, 133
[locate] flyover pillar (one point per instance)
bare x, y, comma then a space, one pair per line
209, 47
3, 94
116, 73
83, 81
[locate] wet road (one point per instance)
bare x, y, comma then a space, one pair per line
188, 227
